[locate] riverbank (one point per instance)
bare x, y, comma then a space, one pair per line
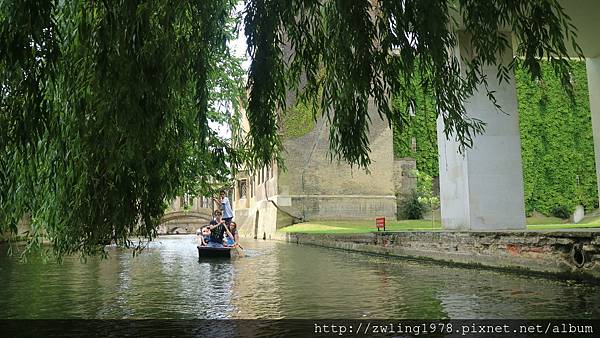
567, 254
367, 226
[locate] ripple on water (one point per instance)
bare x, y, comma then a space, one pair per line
278, 280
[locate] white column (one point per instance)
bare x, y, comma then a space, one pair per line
593, 76
482, 189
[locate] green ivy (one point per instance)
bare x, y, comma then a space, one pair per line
422, 126
556, 140
298, 120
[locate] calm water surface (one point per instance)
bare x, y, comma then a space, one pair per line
277, 280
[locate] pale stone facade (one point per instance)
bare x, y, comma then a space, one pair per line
482, 188
315, 188
186, 214
568, 254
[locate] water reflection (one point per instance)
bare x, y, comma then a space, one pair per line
277, 280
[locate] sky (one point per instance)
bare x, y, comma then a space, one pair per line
238, 48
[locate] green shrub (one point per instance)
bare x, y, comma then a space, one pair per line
561, 211
412, 207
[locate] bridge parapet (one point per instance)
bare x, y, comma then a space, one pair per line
184, 222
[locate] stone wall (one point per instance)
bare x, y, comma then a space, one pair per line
262, 220
404, 178
569, 254
316, 187
405, 181
340, 207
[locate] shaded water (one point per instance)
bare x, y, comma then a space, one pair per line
278, 280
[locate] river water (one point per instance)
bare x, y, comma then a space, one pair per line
277, 280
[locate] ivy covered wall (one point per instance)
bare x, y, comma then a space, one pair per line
422, 127
556, 141
297, 121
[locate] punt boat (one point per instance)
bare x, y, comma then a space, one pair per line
211, 252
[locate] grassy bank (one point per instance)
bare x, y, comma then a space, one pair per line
361, 226
364, 226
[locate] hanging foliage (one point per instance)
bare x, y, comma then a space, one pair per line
557, 143
104, 114
104, 105
348, 53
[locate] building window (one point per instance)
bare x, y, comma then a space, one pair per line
243, 187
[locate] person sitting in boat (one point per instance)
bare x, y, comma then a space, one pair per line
199, 238
235, 237
203, 236
227, 241
217, 231
206, 234
217, 218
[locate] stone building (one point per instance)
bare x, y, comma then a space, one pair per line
312, 187
480, 188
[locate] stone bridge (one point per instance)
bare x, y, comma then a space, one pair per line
185, 215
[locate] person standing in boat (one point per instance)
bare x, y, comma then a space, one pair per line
225, 207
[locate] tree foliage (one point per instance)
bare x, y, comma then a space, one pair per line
105, 104
104, 113
368, 50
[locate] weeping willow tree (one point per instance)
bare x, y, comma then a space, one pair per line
104, 115
105, 104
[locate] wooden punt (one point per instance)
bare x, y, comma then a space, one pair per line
211, 252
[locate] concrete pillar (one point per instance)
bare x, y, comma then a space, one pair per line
593, 76
482, 189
